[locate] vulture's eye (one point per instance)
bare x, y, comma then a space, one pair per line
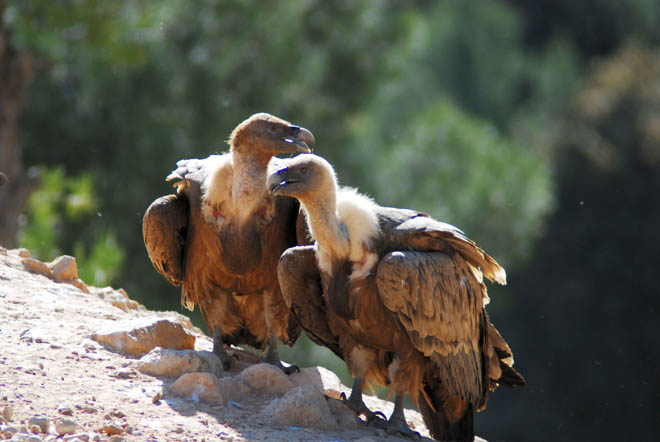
303, 170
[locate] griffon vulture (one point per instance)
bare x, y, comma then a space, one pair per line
401, 297
221, 236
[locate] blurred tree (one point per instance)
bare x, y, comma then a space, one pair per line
587, 303
597, 27
16, 71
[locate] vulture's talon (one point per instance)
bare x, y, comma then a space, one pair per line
399, 426
373, 418
286, 369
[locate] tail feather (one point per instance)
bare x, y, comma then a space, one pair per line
447, 418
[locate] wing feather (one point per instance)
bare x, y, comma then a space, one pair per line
438, 301
417, 231
164, 228
300, 282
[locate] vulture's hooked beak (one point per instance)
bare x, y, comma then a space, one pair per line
278, 180
301, 140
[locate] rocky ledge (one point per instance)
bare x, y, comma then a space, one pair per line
81, 363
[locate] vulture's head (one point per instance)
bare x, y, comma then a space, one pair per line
268, 135
305, 177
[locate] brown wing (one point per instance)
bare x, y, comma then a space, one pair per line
409, 230
300, 282
438, 300
164, 231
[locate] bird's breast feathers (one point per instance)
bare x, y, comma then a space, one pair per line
216, 189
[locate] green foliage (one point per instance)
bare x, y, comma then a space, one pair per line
462, 171
63, 201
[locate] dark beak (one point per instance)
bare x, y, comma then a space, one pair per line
277, 181
301, 139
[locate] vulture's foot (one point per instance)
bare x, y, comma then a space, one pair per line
225, 358
399, 426
356, 404
273, 357
221, 352
286, 369
397, 423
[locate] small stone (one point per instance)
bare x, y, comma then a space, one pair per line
35, 429
267, 378
112, 428
174, 363
156, 399
23, 253
322, 378
84, 437
64, 268
302, 407
8, 412
10, 430
33, 439
65, 426
35, 266
139, 336
66, 411
116, 438
207, 387
39, 421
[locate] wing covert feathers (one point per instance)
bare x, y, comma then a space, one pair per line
300, 281
164, 228
426, 234
439, 303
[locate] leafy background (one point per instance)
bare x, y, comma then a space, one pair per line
532, 125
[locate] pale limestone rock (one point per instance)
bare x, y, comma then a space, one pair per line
139, 336
112, 428
302, 407
320, 377
345, 417
8, 412
65, 426
84, 437
266, 378
174, 363
118, 298
23, 253
208, 388
64, 268
39, 421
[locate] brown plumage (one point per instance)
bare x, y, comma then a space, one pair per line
400, 296
222, 234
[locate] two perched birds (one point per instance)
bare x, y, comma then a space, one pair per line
268, 247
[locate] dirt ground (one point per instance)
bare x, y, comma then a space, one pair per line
50, 367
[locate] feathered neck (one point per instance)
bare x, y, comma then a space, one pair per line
325, 225
248, 187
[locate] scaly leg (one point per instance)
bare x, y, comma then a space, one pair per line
397, 422
355, 403
272, 356
219, 349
